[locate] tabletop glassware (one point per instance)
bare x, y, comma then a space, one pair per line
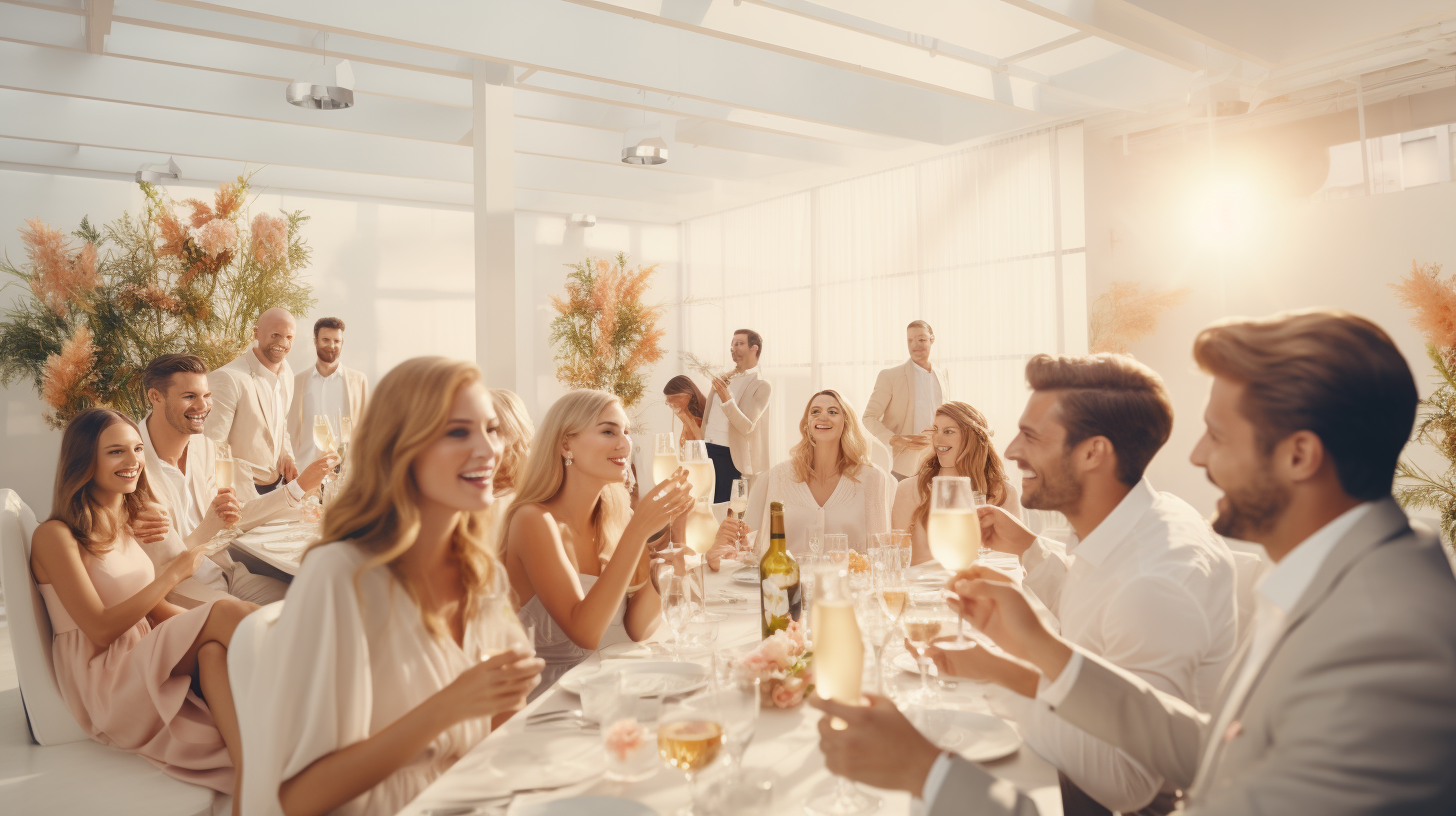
629, 734
838, 668
677, 605
693, 457
346, 438
664, 457
815, 537
738, 498
954, 530
836, 548
224, 472
690, 738
925, 618
980, 500
876, 627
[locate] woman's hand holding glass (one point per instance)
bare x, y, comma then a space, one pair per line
498, 685
664, 502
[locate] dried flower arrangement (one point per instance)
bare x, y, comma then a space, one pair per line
166, 281
1124, 315
603, 333
1434, 302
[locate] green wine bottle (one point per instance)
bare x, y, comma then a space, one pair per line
780, 598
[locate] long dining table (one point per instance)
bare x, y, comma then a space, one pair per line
785, 746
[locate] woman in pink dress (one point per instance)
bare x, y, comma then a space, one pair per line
125, 659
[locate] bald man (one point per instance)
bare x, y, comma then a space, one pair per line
250, 398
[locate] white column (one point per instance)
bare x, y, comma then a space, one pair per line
495, 229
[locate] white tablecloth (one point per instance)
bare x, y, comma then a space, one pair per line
786, 742
279, 544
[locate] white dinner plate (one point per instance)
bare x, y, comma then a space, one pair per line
628, 650
905, 662
975, 736
747, 575
524, 760
585, 806
643, 677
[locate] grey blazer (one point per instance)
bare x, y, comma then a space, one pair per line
1353, 712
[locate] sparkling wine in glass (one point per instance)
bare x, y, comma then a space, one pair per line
323, 434
954, 529
664, 457
223, 472
738, 498
694, 458
838, 666
925, 617
689, 738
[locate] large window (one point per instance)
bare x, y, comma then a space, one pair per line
985, 244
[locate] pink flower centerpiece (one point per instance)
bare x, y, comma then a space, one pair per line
782, 663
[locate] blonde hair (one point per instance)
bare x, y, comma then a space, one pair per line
518, 430
378, 509
854, 449
977, 459
545, 472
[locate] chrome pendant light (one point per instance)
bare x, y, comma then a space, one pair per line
324, 88
159, 173
647, 151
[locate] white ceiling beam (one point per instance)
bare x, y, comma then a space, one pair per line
1047, 47
158, 85
560, 37
605, 146
1129, 26
98, 24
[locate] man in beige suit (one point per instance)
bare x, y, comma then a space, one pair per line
1343, 698
181, 467
735, 422
903, 403
328, 388
250, 399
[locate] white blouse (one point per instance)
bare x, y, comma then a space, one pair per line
340, 665
859, 507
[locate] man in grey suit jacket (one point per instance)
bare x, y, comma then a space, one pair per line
1343, 699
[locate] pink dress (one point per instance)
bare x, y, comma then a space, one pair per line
124, 694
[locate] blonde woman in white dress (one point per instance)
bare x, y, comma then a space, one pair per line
960, 445
374, 681
575, 551
828, 484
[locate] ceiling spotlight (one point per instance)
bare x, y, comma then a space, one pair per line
159, 173
647, 151
323, 88
582, 220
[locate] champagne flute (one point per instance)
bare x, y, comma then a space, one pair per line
980, 500
689, 738
954, 529
223, 471
694, 459
664, 457
838, 666
738, 498
346, 438
925, 616
677, 605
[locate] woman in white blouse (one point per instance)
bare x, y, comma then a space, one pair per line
960, 445
373, 681
827, 485
575, 552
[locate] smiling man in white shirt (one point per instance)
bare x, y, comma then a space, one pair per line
250, 402
1145, 584
1343, 702
735, 421
328, 388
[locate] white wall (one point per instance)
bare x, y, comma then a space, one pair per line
1249, 240
401, 276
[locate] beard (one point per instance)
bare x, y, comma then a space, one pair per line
327, 355
1253, 508
176, 417
1057, 490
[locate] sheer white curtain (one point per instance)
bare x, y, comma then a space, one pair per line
985, 244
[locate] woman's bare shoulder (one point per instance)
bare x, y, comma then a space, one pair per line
531, 520
53, 533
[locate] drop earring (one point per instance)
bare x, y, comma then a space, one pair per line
568, 458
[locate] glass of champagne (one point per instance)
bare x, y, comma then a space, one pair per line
677, 605
701, 531
223, 471
689, 738
738, 500
323, 437
954, 529
838, 667
346, 437
924, 617
664, 457
693, 456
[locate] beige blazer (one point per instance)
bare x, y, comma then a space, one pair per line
748, 423
241, 418
1353, 711
356, 387
891, 412
201, 483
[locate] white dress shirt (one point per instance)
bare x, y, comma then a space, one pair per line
190, 515
272, 384
1152, 590
716, 431
927, 399
858, 507
327, 396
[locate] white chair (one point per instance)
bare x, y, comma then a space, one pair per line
67, 772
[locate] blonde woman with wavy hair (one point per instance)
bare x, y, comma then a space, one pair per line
517, 431
960, 445
373, 680
575, 551
827, 485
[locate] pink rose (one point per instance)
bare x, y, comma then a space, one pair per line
788, 694
798, 637
624, 737
778, 650
755, 663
